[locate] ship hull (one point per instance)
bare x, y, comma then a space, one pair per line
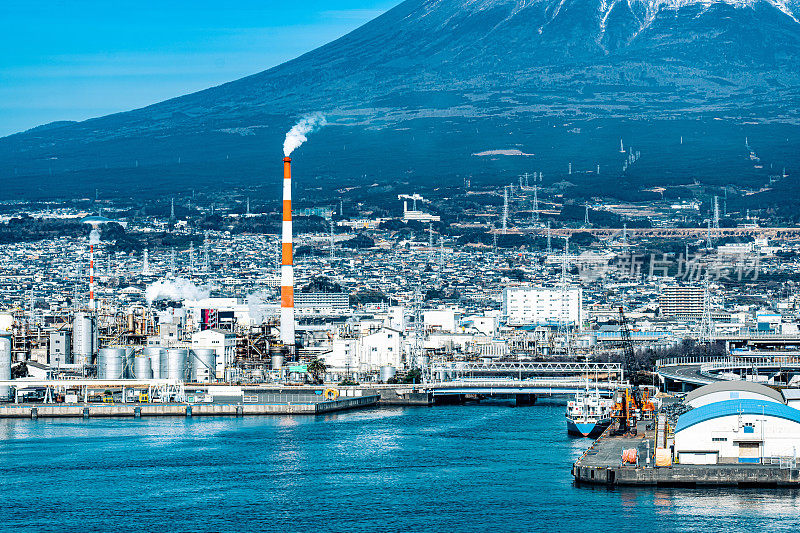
587, 429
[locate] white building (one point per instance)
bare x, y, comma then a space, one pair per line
486, 324
737, 431
381, 348
222, 342
441, 319
321, 303
366, 353
526, 306
681, 301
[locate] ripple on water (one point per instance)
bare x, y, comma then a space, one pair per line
458, 468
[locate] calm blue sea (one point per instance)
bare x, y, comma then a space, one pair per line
462, 468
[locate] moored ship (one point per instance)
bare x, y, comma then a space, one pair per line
588, 415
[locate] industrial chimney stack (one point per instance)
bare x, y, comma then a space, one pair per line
287, 262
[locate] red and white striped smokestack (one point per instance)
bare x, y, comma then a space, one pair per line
287, 261
91, 276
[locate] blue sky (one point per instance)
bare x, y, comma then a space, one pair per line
76, 59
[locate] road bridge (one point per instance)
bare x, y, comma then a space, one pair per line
688, 373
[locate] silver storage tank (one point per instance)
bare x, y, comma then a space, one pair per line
387, 373
5, 367
175, 365
277, 362
156, 355
83, 338
204, 365
111, 363
142, 368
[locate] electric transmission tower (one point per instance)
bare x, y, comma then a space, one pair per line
333, 244
206, 261
505, 209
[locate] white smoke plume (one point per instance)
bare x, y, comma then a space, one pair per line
262, 305
177, 290
297, 135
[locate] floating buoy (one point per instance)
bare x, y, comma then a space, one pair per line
330, 394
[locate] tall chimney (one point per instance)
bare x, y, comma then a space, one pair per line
91, 277
287, 261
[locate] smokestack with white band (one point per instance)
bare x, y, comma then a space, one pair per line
287, 261
294, 138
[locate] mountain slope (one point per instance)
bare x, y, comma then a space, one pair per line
440, 70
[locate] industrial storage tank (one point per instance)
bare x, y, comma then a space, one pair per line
142, 368
387, 373
111, 363
5, 367
84, 338
204, 365
175, 364
276, 357
156, 356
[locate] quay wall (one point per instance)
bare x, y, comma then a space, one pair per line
136, 410
688, 475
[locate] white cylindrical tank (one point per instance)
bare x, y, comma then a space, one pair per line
387, 373
5, 367
111, 363
83, 338
142, 368
177, 364
156, 355
204, 364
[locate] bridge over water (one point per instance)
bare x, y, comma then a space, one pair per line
522, 379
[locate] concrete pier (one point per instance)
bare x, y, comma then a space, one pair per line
601, 464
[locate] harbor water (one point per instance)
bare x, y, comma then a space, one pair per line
462, 468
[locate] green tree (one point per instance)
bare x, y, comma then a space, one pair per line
317, 369
413, 376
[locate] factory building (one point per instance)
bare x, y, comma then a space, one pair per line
366, 353
531, 306
441, 320
222, 342
681, 301
60, 349
737, 431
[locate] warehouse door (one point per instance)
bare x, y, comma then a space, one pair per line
749, 452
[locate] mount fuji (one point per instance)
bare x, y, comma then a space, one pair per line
413, 94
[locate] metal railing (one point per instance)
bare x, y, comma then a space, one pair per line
689, 360
538, 383
785, 463
712, 369
563, 367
